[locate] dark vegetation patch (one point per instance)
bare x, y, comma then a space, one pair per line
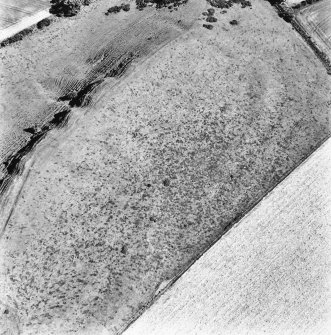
67, 7
229, 3
171, 4
222, 4
25, 32
124, 249
208, 26
117, 9
118, 69
43, 23
166, 182
60, 118
304, 4
211, 11
284, 12
14, 164
78, 98
30, 130
211, 19
126, 7
69, 96
82, 98
17, 37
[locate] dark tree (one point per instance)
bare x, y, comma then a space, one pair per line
65, 7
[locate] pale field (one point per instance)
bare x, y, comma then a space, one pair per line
140, 182
316, 19
293, 2
273, 276
26, 22
12, 11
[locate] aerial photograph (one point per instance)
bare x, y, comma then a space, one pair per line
165, 167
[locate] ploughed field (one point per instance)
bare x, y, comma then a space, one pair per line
12, 11
316, 19
171, 132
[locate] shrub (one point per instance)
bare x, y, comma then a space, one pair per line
141, 4
220, 3
228, 3
17, 37
43, 23
211, 19
208, 26
117, 9
288, 17
114, 9
126, 7
66, 7
234, 22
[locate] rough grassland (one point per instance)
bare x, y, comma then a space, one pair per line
68, 54
157, 167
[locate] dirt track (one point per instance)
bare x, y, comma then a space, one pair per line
145, 177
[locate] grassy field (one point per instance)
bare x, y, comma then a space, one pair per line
160, 163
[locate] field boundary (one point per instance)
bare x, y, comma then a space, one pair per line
290, 15
25, 23
235, 222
